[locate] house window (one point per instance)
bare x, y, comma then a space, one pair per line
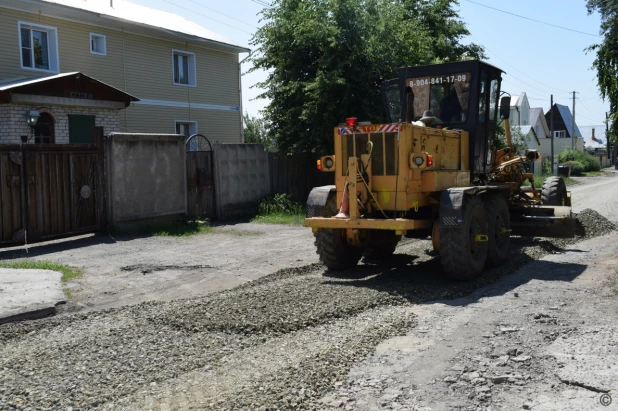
38, 47
184, 68
44, 129
187, 129
97, 44
560, 134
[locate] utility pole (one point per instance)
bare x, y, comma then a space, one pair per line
607, 132
551, 133
573, 125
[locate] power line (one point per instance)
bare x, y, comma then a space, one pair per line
531, 19
208, 17
223, 14
586, 107
516, 69
533, 88
262, 3
591, 119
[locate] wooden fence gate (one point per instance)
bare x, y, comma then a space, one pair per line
49, 191
200, 180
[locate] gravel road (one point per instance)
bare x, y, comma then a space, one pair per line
286, 340
598, 193
544, 338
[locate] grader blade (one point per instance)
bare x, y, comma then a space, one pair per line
543, 221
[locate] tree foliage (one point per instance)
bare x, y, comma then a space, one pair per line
256, 131
327, 59
606, 62
520, 141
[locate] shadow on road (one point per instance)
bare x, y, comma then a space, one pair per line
41, 249
419, 279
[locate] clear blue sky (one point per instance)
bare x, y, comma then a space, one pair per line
538, 59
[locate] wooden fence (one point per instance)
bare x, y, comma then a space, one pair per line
296, 175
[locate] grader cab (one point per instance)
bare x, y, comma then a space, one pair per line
435, 169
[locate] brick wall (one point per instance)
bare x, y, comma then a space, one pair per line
13, 124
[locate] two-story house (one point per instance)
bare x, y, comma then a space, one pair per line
562, 126
520, 110
79, 63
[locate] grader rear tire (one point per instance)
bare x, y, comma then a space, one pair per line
332, 247
462, 253
499, 230
554, 192
382, 244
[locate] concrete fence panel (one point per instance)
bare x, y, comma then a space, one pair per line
242, 178
146, 176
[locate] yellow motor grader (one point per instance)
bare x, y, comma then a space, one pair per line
435, 169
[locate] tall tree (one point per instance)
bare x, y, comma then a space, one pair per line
256, 131
606, 62
327, 59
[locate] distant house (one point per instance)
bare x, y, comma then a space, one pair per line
595, 142
538, 122
520, 110
563, 122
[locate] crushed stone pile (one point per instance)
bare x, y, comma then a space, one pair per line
592, 224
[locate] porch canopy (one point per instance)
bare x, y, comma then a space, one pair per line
65, 89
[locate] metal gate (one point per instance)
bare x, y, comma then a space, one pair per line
200, 181
49, 191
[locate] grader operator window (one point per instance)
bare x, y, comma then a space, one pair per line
446, 95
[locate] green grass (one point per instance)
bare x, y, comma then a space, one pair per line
594, 173
280, 218
68, 273
237, 233
539, 180
177, 228
280, 209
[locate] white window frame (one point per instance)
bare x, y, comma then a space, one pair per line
192, 126
560, 134
52, 46
192, 68
104, 52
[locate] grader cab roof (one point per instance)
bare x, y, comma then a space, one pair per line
462, 95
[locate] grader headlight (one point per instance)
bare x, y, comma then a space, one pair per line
421, 160
326, 163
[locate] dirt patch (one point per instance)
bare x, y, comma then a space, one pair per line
148, 268
177, 267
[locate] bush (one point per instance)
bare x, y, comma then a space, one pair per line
280, 204
577, 168
589, 162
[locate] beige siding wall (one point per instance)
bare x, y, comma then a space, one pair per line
560, 144
219, 126
142, 66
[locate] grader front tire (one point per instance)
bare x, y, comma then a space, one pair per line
334, 251
332, 247
554, 192
499, 230
463, 249
382, 244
